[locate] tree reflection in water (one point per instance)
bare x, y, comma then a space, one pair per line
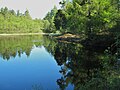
85, 69
10, 46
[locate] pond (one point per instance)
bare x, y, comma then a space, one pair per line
42, 63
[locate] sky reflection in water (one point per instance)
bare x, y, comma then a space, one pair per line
24, 73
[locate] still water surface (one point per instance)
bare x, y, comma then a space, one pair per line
42, 63
20, 73
25, 64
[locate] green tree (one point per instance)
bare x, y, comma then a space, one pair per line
27, 14
50, 17
12, 22
60, 20
18, 12
12, 12
88, 16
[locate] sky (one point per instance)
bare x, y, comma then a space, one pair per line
37, 8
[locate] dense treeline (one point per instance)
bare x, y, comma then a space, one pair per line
88, 16
97, 20
85, 16
75, 16
49, 21
17, 22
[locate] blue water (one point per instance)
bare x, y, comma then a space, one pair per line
39, 71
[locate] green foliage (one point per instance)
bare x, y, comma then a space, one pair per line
12, 22
88, 16
60, 20
49, 25
27, 15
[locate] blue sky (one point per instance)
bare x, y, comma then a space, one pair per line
37, 8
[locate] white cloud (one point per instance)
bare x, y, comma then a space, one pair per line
37, 8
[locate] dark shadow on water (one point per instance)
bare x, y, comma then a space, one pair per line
84, 68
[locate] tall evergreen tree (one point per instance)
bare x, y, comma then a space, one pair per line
27, 14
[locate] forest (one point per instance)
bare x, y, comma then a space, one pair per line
96, 21
77, 17
85, 16
17, 22
89, 58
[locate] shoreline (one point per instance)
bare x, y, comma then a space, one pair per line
17, 34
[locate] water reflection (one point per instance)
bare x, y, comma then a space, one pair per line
31, 67
10, 46
85, 69
80, 68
